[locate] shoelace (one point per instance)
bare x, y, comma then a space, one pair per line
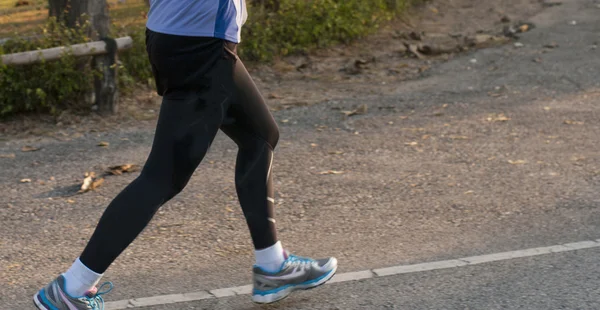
96, 302
299, 260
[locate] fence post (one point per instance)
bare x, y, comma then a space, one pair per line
105, 85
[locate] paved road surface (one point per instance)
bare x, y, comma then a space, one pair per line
475, 158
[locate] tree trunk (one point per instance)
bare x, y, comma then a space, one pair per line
69, 11
270, 5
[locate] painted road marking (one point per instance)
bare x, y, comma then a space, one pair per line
358, 275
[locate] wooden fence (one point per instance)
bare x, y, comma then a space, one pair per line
105, 87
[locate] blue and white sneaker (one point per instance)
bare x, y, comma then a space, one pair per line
54, 297
297, 273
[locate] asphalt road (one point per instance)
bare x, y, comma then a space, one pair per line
476, 157
558, 281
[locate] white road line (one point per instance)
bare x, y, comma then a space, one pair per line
358, 275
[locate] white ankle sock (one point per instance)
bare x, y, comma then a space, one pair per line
271, 258
79, 279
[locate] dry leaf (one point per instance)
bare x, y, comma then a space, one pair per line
7, 155
12, 266
330, 172
97, 183
547, 108
524, 28
571, 122
498, 118
414, 49
517, 162
459, 137
103, 143
25, 181
469, 192
70, 201
29, 148
362, 109
336, 152
87, 182
285, 120
314, 145
411, 143
228, 209
118, 170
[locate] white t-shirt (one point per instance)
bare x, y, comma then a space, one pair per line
198, 18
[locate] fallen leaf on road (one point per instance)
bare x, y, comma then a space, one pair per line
511, 31
551, 3
103, 143
411, 143
29, 148
70, 201
459, 137
336, 152
118, 170
331, 172
547, 108
571, 122
358, 111
314, 145
87, 182
25, 181
517, 162
97, 183
7, 156
274, 96
498, 118
469, 192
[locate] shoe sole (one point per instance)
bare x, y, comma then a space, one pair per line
38, 304
275, 297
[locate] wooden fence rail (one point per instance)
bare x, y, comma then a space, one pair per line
78, 50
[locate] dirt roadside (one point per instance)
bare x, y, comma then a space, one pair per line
373, 65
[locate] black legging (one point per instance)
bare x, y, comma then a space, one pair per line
205, 88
